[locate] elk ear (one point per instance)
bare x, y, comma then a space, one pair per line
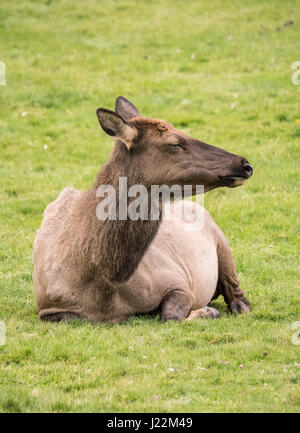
125, 108
116, 126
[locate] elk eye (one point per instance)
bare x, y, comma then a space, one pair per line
175, 144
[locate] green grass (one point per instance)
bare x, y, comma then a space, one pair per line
221, 71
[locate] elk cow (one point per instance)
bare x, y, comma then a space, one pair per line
107, 270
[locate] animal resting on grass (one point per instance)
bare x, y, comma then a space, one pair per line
108, 270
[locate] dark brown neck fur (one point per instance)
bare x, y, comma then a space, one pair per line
116, 247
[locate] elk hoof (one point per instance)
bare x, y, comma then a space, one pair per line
204, 313
240, 306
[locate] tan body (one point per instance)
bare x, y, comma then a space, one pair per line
182, 256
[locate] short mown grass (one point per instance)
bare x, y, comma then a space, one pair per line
221, 71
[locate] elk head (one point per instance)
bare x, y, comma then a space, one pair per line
161, 154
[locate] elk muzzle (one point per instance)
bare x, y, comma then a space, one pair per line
242, 170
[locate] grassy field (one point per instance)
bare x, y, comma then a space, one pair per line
221, 71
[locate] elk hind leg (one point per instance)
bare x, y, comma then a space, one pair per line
65, 316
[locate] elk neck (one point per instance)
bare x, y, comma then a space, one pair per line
117, 246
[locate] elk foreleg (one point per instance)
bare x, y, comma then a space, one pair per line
176, 305
204, 313
228, 284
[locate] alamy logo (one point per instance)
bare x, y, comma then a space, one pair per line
2, 74
2, 334
139, 203
295, 79
296, 335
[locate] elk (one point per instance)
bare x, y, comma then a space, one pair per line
107, 270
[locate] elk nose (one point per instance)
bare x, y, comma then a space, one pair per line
248, 168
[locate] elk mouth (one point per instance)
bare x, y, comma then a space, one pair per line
238, 179
232, 181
